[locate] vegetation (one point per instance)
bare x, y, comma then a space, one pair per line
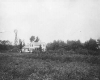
5, 45
46, 66
37, 39
71, 60
90, 47
33, 38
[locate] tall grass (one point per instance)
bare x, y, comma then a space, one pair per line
49, 66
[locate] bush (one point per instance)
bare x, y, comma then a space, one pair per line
81, 51
91, 44
91, 52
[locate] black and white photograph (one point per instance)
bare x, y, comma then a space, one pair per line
49, 39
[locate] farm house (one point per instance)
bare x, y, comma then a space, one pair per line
34, 46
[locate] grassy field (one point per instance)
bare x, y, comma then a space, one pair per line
49, 66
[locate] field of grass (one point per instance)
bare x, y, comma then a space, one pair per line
49, 66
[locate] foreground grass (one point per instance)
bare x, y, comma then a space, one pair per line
49, 67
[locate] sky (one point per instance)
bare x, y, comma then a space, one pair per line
50, 19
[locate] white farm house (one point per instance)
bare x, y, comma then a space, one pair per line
34, 46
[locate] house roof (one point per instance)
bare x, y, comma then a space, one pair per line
37, 43
26, 46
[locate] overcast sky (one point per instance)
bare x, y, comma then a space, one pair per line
50, 19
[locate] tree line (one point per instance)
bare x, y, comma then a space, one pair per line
6, 45
90, 46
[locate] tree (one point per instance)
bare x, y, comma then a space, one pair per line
56, 45
98, 42
40, 48
23, 43
5, 45
37, 39
91, 44
5, 42
32, 38
20, 44
73, 45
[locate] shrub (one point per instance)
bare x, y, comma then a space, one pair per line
81, 51
91, 52
91, 44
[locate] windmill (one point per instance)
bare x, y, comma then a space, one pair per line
16, 39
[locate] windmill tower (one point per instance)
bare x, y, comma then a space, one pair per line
16, 39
